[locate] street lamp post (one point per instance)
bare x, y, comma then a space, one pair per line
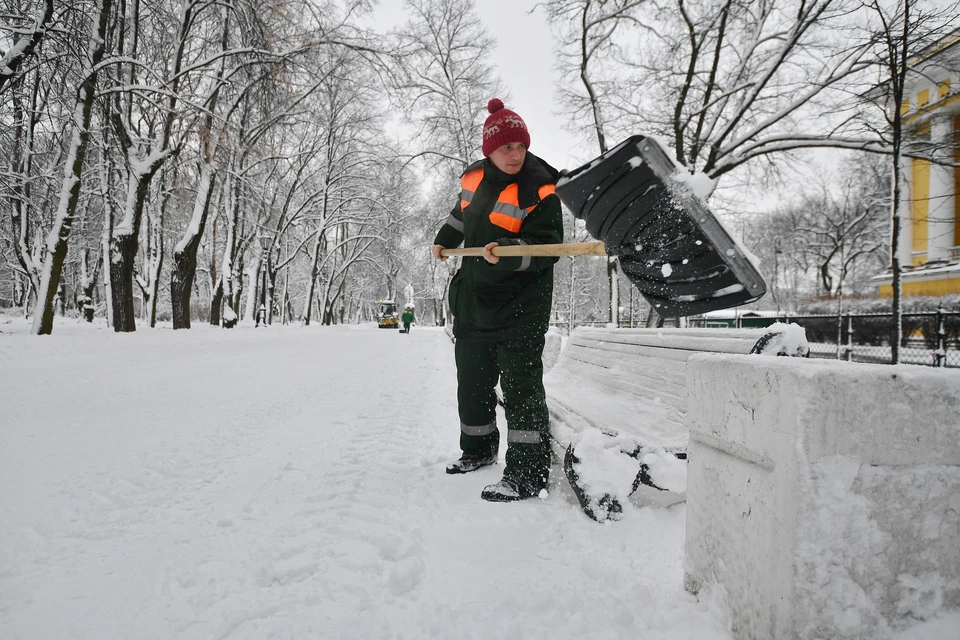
266, 240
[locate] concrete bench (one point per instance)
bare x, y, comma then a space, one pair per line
618, 405
823, 496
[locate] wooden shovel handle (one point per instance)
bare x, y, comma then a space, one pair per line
547, 250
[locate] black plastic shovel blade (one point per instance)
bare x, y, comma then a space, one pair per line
669, 243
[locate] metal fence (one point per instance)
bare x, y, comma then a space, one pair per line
930, 338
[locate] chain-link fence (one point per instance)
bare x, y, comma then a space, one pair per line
931, 338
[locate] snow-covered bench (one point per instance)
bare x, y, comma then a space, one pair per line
823, 496
618, 405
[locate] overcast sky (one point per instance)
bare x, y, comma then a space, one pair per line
523, 58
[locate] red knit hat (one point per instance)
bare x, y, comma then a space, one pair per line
502, 127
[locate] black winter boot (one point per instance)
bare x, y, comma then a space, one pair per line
508, 490
471, 462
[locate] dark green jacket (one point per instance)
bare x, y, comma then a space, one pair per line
510, 300
407, 316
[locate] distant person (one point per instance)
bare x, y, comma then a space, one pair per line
501, 305
407, 318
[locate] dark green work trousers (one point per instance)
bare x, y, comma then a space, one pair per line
519, 368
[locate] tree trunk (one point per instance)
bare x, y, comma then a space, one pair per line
124, 250
185, 255
88, 285
215, 302
124, 246
238, 282
312, 285
613, 279
271, 288
230, 316
154, 259
285, 304
250, 310
59, 237
181, 281
899, 74
107, 284
20, 216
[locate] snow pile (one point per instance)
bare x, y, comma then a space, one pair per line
604, 469
787, 340
667, 471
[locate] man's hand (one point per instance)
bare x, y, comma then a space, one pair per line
488, 253
435, 250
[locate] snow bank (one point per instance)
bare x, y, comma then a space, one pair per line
824, 496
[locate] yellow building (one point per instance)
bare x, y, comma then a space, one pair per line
929, 206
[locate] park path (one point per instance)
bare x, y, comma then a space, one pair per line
290, 483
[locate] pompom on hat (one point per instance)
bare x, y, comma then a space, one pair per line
502, 127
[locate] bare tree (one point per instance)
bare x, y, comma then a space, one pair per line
447, 83
589, 27
58, 239
901, 32
449, 79
838, 229
24, 47
726, 82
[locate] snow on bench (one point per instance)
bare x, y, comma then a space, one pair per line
623, 391
822, 495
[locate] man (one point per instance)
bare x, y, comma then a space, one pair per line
501, 305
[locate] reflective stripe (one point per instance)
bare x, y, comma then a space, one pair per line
505, 221
525, 261
453, 222
524, 437
510, 209
482, 430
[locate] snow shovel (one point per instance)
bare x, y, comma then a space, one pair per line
548, 250
671, 247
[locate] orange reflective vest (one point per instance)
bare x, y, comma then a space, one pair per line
507, 212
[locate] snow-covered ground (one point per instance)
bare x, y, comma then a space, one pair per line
289, 483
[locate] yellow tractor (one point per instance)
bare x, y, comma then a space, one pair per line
387, 316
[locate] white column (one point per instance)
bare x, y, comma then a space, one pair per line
942, 197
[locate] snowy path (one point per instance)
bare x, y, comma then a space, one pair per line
290, 483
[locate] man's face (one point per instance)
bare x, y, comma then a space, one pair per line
509, 158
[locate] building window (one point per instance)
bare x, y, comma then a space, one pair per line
943, 88
923, 98
905, 106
